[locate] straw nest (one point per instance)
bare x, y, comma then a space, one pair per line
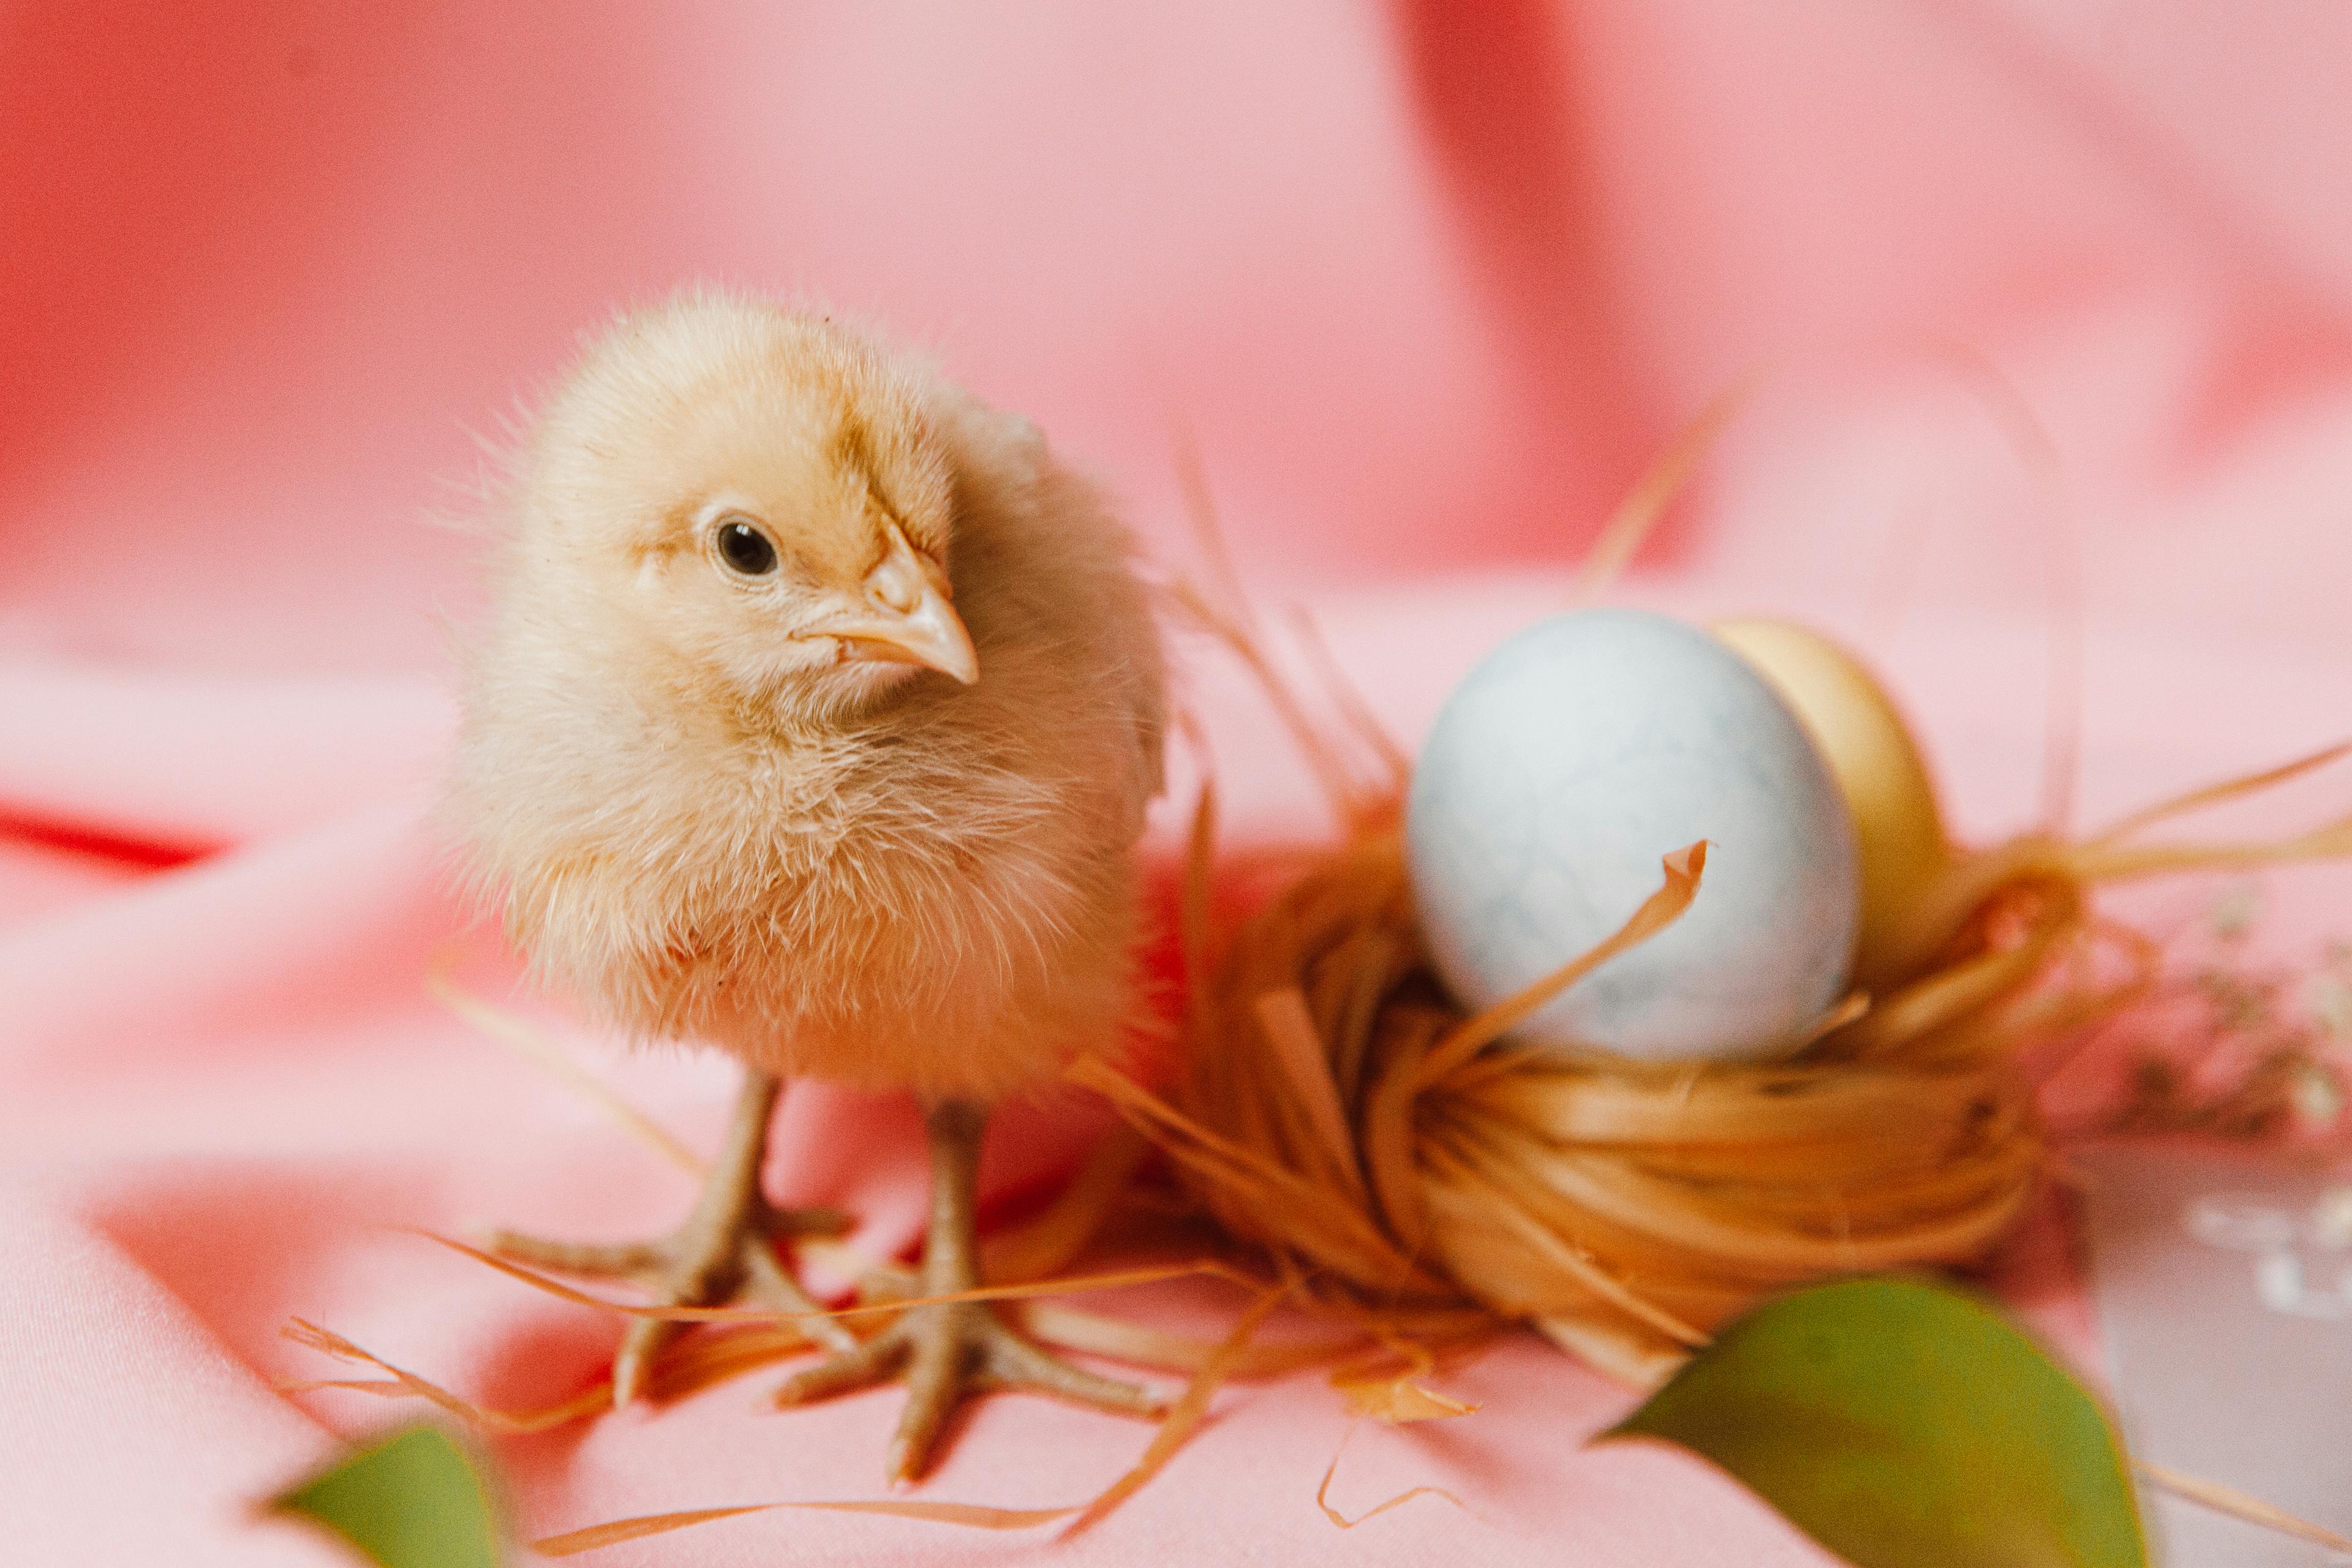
1406, 1161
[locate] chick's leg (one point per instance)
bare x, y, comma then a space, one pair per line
945, 1350
725, 1248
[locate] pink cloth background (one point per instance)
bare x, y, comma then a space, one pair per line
1428, 283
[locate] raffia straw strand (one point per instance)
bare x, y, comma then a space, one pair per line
1114, 1280
1184, 1416
2241, 1505
2215, 794
1340, 1520
533, 1046
1639, 513
2029, 438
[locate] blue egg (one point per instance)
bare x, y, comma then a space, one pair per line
1561, 769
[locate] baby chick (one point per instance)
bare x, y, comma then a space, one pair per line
816, 722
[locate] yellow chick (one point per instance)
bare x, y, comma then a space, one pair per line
816, 722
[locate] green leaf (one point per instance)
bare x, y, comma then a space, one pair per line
1907, 1426
413, 1500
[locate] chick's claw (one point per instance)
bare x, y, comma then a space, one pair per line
725, 1250
944, 1350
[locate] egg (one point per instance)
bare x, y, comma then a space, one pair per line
1899, 836
1556, 776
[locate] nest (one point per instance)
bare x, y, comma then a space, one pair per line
1339, 1112
1409, 1163
1398, 1155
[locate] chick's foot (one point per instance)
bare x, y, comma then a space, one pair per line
944, 1350
726, 1250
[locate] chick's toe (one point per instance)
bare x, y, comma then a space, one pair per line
725, 1249
945, 1351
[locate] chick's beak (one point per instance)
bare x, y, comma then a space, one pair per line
908, 618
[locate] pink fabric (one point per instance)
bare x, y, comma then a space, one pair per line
1427, 283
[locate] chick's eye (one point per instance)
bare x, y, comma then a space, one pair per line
744, 548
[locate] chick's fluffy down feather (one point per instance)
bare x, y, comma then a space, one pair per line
926, 886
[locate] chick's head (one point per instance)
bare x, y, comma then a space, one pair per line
753, 498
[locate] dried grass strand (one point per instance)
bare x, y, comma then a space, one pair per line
1340, 1520
1184, 1416
535, 1048
1638, 514
2239, 1505
399, 1382
1112, 1280
971, 1516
